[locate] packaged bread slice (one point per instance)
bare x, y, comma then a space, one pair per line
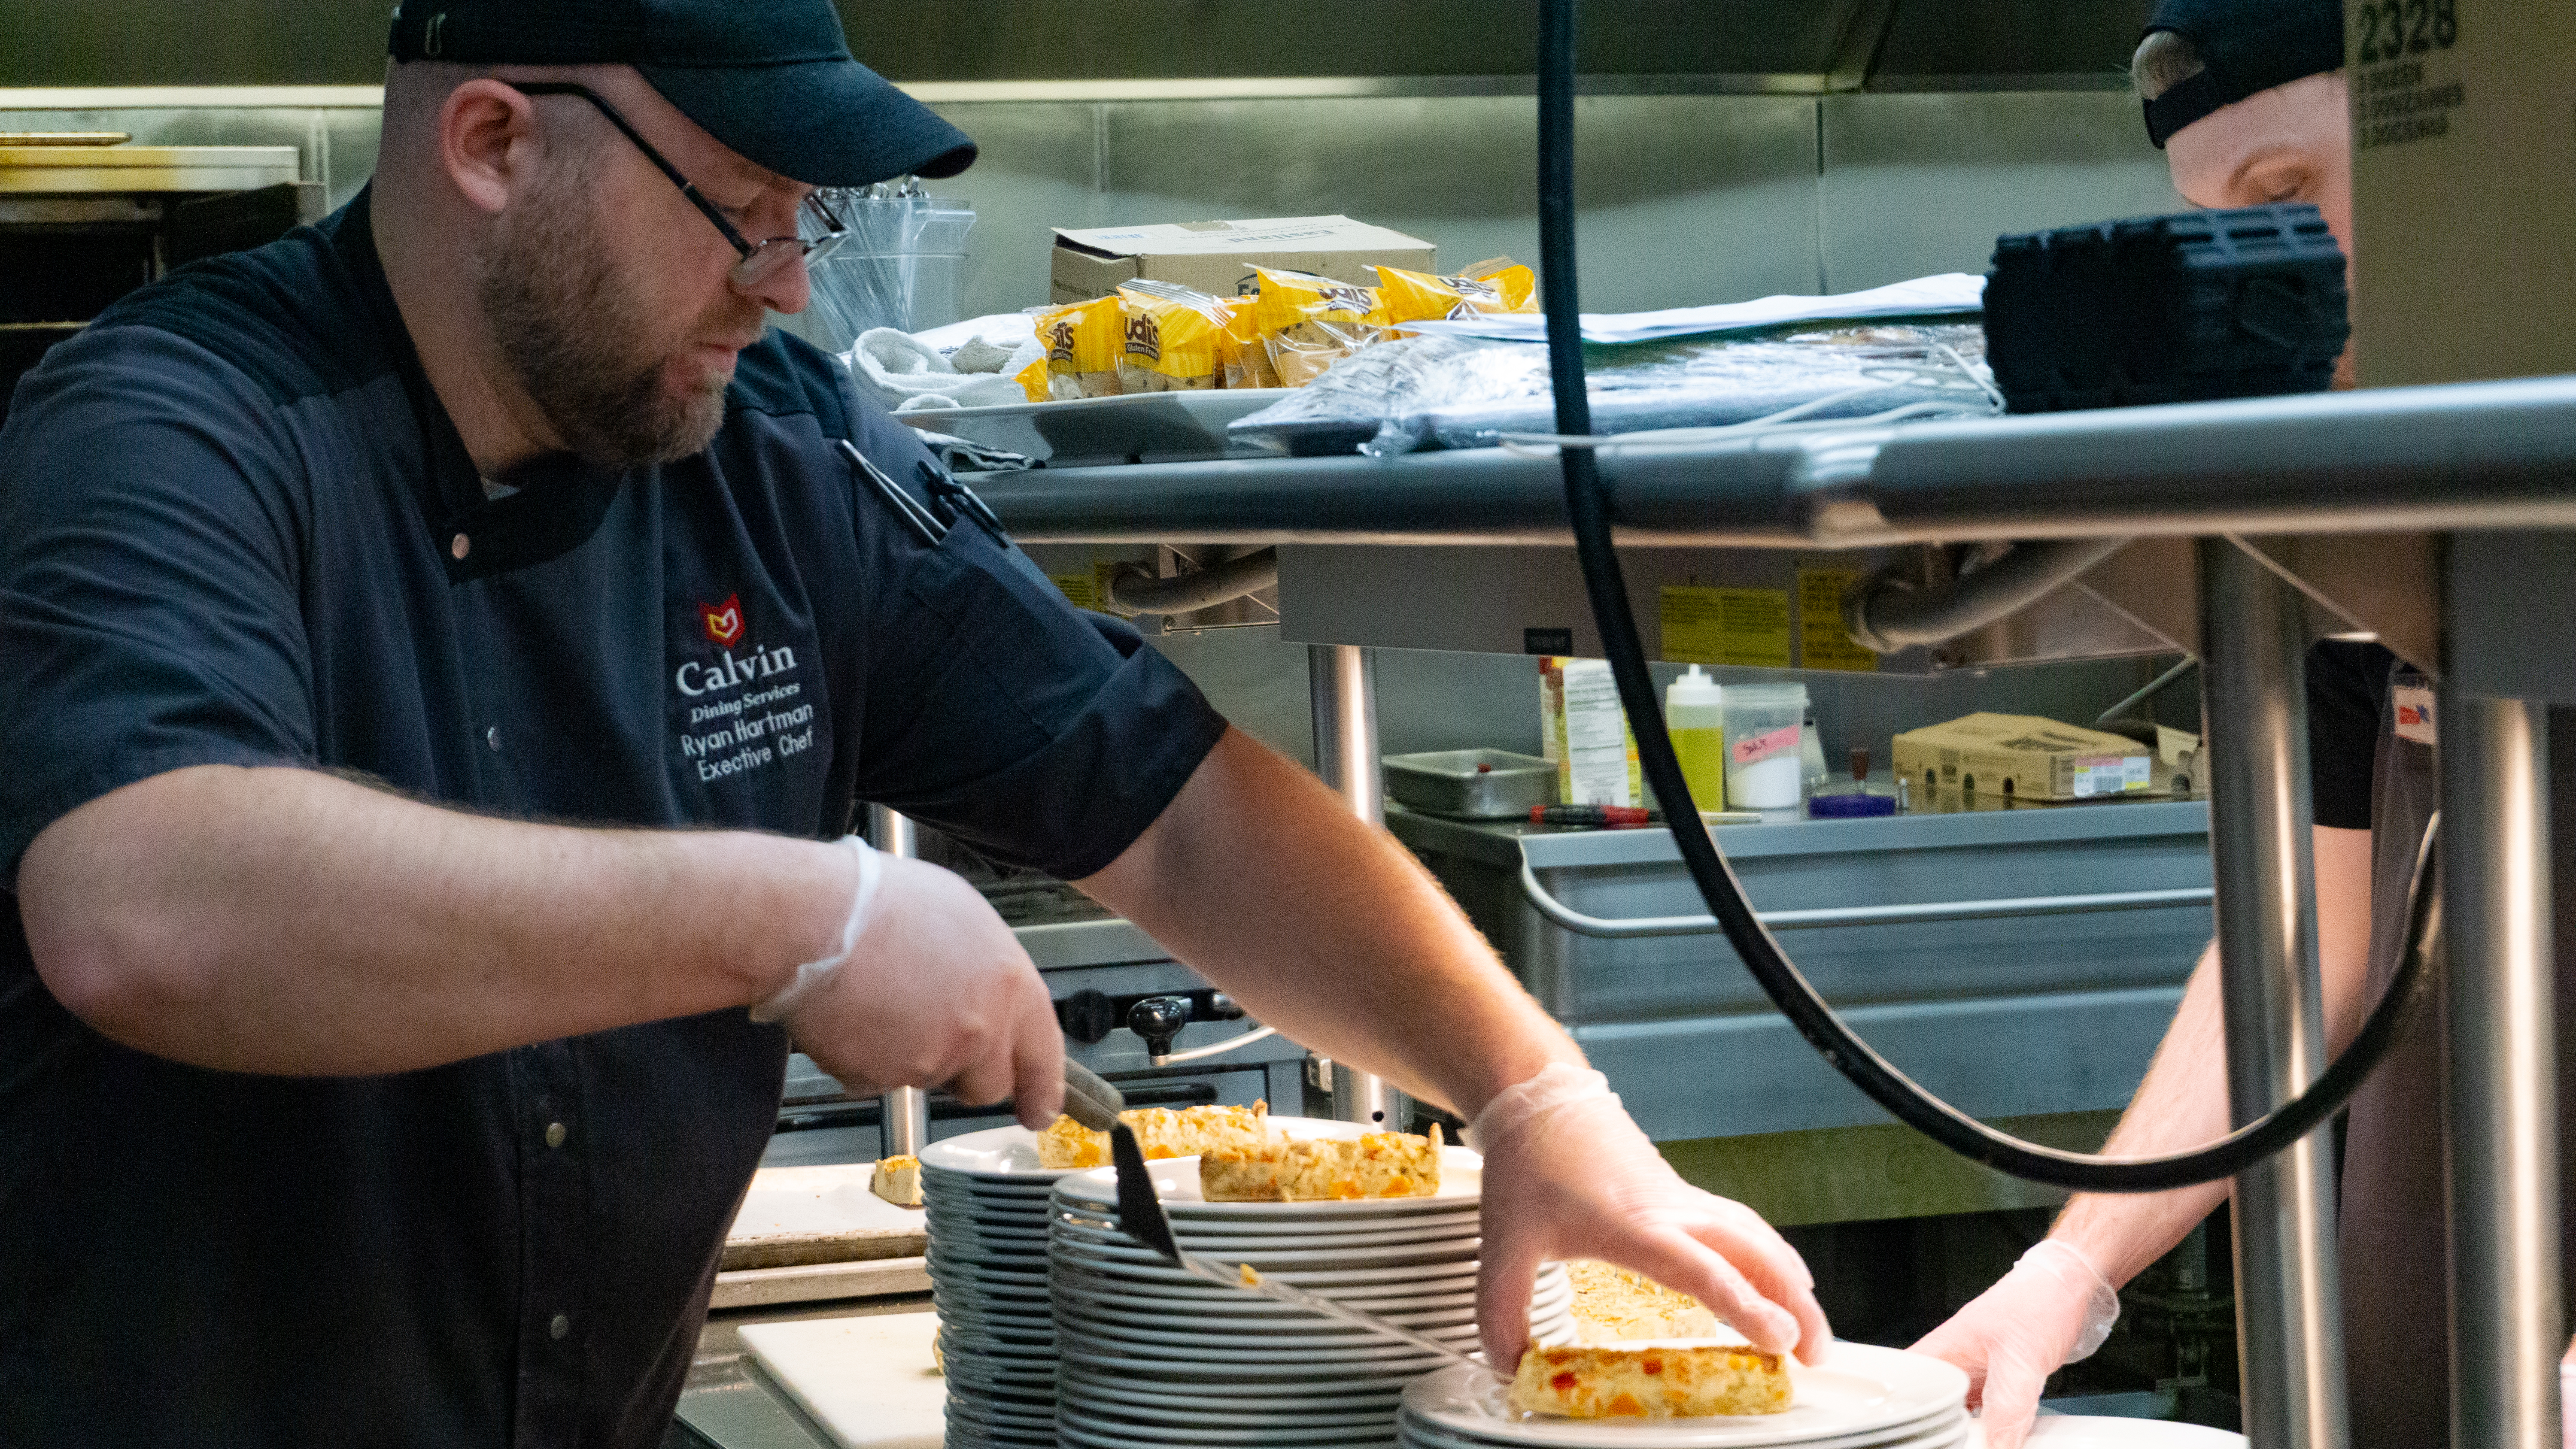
1650, 1380
1247, 362
1171, 338
1487, 288
1083, 342
1308, 323
1380, 1164
1160, 1132
1613, 1305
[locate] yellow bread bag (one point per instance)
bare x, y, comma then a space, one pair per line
1083, 343
1500, 285
1308, 323
1247, 362
1170, 338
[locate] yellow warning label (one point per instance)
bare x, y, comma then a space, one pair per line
1087, 591
1725, 626
1823, 642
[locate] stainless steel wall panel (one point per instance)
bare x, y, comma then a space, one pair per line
1686, 198
1037, 166
1915, 184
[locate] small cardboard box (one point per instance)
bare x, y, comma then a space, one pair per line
1214, 256
2464, 189
2023, 757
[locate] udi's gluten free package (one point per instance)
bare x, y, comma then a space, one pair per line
1171, 339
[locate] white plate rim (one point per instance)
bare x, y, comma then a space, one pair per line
1919, 1387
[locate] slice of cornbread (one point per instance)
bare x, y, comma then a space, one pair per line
897, 1180
1658, 1380
1161, 1132
1613, 1305
1380, 1164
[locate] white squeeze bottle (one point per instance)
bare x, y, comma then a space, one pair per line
1695, 714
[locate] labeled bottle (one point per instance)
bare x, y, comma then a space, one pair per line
1695, 714
1765, 745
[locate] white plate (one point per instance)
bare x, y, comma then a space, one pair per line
1440, 1231
1322, 1378
1087, 1435
1010, 1154
1101, 1412
1238, 1398
1076, 1284
1950, 1430
1953, 1433
1458, 1328
1176, 1182
1402, 1255
1444, 1277
2074, 1431
1368, 1350
1857, 1389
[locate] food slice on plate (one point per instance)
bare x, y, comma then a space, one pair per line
1376, 1165
1650, 1380
1161, 1132
1614, 1305
897, 1180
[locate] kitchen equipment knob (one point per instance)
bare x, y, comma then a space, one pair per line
1086, 1015
1158, 1019
1225, 1008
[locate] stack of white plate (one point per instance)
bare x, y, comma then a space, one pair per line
986, 1200
1153, 1357
1860, 1397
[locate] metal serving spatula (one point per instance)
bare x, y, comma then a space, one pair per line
1140, 1212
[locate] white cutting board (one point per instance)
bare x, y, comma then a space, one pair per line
868, 1381
820, 1214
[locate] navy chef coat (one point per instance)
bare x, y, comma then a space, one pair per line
236, 527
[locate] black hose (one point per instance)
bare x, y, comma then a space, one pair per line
1587, 507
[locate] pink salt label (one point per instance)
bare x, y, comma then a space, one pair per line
1762, 747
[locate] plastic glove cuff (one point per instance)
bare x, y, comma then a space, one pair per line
2102, 1303
811, 975
1516, 1107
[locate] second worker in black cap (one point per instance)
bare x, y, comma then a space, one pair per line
2248, 100
438, 651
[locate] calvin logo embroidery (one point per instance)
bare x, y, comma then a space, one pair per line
723, 621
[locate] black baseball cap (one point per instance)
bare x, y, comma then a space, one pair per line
773, 79
2245, 46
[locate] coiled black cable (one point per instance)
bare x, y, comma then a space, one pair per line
1587, 508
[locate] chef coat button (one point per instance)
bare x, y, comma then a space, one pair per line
459, 545
562, 1325
492, 737
554, 1134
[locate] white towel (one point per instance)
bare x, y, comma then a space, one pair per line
907, 375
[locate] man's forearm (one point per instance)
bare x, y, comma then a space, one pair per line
2183, 1102
286, 921
1329, 930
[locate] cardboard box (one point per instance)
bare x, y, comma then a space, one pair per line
2464, 189
1216, 256
2024, 758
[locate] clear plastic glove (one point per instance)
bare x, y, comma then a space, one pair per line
1569, 1175
928, 989
2053, 1308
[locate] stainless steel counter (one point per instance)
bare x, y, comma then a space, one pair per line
2011, 998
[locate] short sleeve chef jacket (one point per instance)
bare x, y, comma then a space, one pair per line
236, 528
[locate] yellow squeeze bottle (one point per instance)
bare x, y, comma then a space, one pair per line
1695, 714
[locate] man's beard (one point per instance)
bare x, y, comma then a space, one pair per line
577, 337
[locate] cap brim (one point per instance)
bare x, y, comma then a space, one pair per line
825, 123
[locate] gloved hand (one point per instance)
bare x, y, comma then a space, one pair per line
1569, 1175
2053, 1308
927, 988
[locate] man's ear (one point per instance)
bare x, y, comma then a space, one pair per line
487, 141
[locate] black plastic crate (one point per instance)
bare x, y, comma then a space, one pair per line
2204, 304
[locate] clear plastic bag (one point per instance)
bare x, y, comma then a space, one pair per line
1457, 392
902, 266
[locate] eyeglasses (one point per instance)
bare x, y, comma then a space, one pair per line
760, 260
